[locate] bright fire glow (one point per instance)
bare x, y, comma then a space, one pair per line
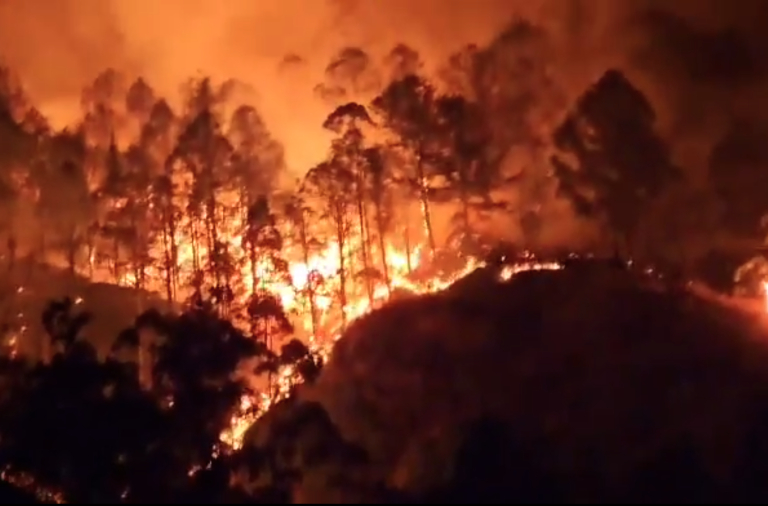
251, 409
322, 288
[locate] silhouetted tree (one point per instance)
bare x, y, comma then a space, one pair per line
379, 179
103, 103
266, 314
298, 213
465, 137
158, 139
65, 202
348, 151
617, 163
258, 157
206, 155
408, 108
139, 100
194, 373
18, 149
77, 425
333, 184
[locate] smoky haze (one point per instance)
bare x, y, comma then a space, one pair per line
682, 56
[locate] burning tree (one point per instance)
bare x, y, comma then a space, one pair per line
348, 151
379, 180
139, 102
258, 158
408, 109
17, 146
334, 185
205, 155
157, 139
465, 137
184, 203
65, 201
298, 213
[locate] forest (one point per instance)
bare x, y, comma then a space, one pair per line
236, 290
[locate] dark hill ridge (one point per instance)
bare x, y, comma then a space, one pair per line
604, 386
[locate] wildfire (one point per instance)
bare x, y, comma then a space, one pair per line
322, 284
252, 408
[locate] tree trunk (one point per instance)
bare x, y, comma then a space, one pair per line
468, 233
310, 282
268, 342
407, 224
253, 260
168, 266
340, 241
383, 247
196, 261
364, 244
212, 239
424, 200
137, 256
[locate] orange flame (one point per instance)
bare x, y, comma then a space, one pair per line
251, 409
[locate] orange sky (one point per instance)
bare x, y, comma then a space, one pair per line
167, 41
58, 45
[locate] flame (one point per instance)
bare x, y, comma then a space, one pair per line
337, 300
251, 409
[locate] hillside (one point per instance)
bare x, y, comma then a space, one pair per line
113, 308
586, 384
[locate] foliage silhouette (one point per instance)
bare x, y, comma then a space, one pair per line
621, 163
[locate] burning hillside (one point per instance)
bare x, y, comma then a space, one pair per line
242, 273
251, 409
605, 385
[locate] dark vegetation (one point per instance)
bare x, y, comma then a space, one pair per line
594, 383
522, 392
514, 391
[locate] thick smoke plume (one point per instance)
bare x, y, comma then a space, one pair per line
691, 56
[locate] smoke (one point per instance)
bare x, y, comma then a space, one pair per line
59, 45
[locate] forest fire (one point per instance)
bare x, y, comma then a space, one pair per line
190, 209
186, 278
251, 408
